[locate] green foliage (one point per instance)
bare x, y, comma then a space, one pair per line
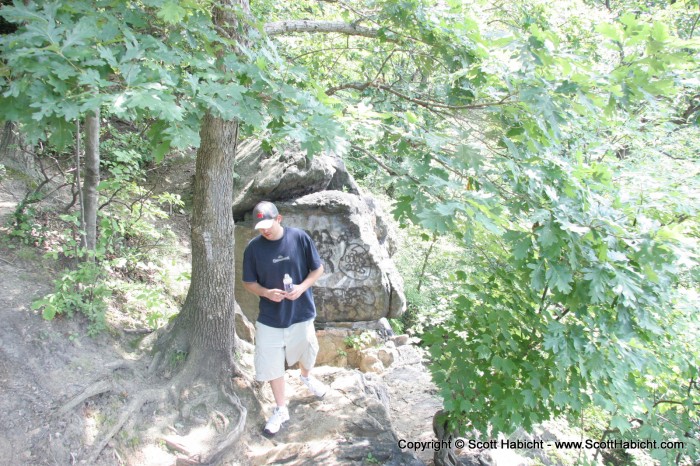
507, 129
82, 290
514, 133
25, 226
397, 326
426, 266
125, 267
153, 61
177, 358
360, 341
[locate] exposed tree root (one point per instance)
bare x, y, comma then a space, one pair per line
139, 400
176, 446
96, 388
192, 394
92, 390
234, 433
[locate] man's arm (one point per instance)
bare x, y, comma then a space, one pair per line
272, 294
308, 282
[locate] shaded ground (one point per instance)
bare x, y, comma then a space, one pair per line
41, 363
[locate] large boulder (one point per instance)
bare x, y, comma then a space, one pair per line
360, 282
284, 175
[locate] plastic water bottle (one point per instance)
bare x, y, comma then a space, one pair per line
288, 285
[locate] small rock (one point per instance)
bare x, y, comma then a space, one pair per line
370, 363
400, 340
386, 356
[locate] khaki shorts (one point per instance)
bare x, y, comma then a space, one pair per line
296, 343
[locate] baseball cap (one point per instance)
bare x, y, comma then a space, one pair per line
265, 213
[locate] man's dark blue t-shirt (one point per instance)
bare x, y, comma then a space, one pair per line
266, 262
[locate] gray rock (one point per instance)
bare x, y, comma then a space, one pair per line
351, 425
244, 328
284, 175
360, 282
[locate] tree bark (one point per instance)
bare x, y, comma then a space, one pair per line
14, 152
210, 301
92, 178
205, 326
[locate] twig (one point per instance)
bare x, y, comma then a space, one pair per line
423, 103
692, 29
425, 262
137, 331
175, 446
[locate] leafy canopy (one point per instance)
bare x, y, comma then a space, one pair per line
157, 61
509, 128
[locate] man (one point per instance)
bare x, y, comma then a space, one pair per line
285, 324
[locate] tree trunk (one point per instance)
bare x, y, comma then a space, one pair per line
92, 178
15, 154
205, 326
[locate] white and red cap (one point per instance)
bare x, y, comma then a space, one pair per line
265, 214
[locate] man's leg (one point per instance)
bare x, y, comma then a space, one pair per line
308, 361
277, 386
280, 414
269, 365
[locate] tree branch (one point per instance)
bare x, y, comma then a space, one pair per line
383, 165
284, 27
423, 103
692, 29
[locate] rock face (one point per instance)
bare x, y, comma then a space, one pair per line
284, 176
360, 282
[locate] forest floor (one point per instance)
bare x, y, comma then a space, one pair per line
46, 365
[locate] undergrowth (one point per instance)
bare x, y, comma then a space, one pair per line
134, 270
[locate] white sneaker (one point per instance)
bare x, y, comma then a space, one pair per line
315, 386
280, 415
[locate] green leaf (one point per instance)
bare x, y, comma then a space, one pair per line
171, 12
62, 134
621, 423
598, 284
559, 277
547, 235
160, 150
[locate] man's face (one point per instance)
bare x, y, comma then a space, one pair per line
274, 232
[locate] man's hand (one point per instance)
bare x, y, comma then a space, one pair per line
297, 291
275, 295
